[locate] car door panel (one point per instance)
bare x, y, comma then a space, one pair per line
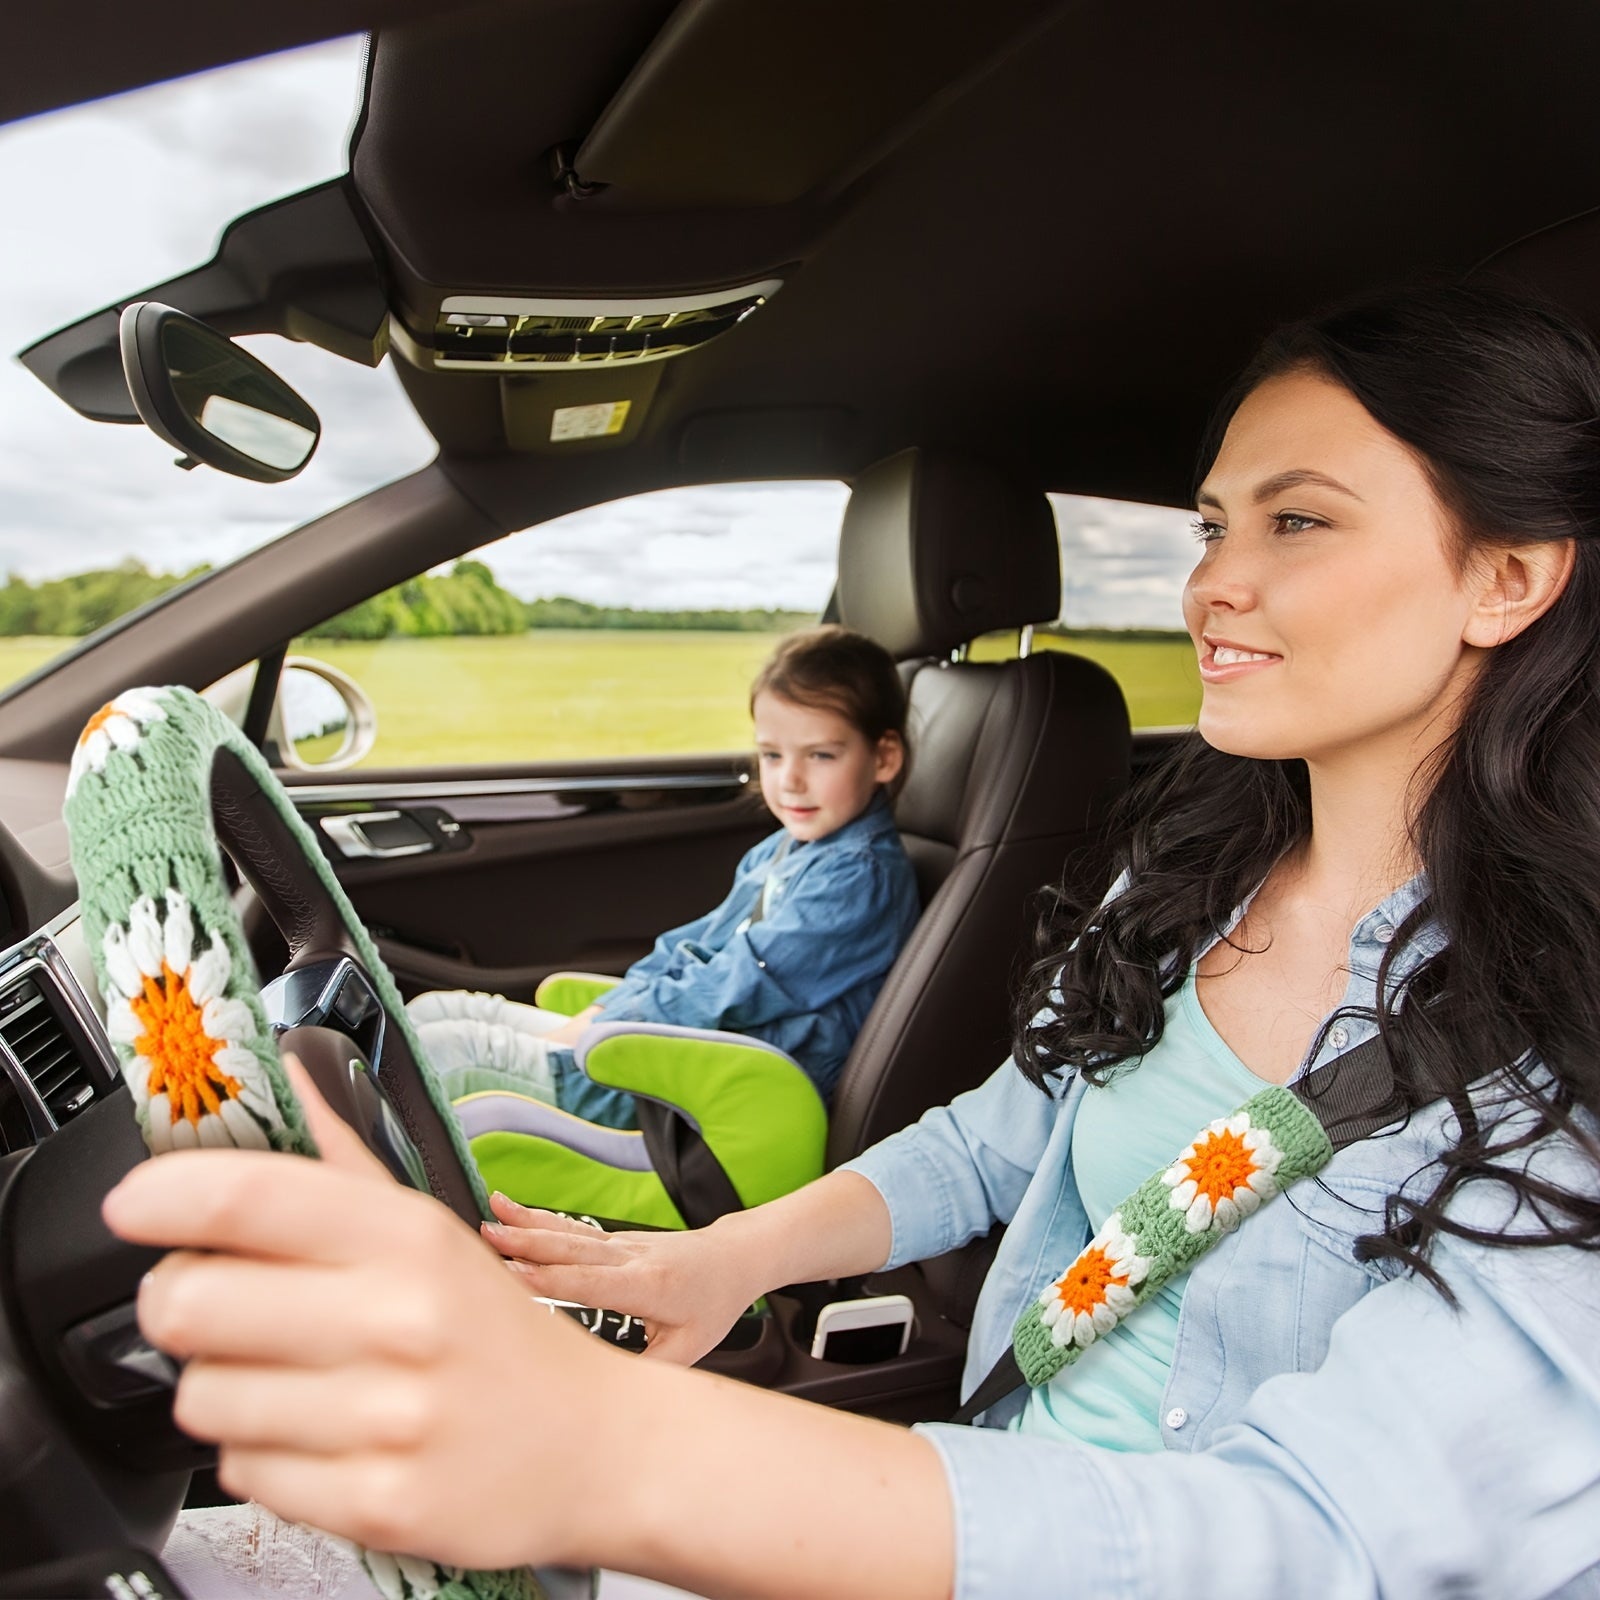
493, 880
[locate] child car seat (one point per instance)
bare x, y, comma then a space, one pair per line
1015, 766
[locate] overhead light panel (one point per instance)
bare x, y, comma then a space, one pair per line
475, 332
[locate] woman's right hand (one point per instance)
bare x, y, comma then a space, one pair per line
689, 1288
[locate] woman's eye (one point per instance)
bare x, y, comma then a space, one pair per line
1207, 532
769, 756
823, 755
1295, 522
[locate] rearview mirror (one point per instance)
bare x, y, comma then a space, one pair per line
215, 402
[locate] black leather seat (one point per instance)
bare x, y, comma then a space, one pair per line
1015, 765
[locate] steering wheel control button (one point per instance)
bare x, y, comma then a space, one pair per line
1176, 1418
112, 1362
332, 993
354, 1003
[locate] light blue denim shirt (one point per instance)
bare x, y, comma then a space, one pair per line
1331, 1427
804, 976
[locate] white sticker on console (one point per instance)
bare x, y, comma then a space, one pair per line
588, 422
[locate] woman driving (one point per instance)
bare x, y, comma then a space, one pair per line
1257, 1349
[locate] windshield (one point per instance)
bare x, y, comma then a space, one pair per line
119, 195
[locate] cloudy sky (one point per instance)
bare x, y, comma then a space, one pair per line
110, 198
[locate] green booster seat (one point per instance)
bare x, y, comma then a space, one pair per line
725, 1122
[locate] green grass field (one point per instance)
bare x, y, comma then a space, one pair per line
551, 695
1159, 678
18, 657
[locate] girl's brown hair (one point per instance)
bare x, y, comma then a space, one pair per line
840, 670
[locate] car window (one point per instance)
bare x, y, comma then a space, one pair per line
1123, 567
119, 195
627, 629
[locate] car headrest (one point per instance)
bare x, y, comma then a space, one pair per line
935, 550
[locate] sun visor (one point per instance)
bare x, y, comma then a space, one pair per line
725, 110
301, 267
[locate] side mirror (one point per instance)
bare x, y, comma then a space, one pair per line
213, 401
325, 721
322, 720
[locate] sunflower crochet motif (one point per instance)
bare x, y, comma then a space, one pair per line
1233, 1166
1224, 1175
195, 1080
118, 725
1097, 1291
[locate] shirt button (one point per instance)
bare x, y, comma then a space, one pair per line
1176, 1418
1338, 1036
1383, 933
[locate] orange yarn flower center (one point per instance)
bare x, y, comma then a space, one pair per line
179, 1049
1084, 1284
98, 720
1220, 1165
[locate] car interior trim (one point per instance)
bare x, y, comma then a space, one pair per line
309, 794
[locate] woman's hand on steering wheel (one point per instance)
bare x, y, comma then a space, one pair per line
689, 1288
345, 1340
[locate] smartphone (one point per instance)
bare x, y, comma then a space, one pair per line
875, 1329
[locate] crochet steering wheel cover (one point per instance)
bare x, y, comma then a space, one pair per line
183, 1009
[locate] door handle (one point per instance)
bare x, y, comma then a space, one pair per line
377, 835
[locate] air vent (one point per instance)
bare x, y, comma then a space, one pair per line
33, 1028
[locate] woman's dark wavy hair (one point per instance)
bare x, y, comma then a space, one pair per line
1499, 397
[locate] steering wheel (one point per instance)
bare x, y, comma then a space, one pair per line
161, 784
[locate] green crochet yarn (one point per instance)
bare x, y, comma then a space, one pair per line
181, 992
139, 814
1234, 1166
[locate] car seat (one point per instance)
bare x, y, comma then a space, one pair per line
1015, 765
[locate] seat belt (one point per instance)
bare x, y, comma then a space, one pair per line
695, 1181
1348, 1099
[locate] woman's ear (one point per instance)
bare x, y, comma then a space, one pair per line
890, 757
1519, 583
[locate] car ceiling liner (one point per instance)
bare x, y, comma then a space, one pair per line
1042, 232
718, 114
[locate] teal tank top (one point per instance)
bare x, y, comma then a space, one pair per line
1123, 1132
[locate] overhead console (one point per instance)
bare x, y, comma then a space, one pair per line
478, 332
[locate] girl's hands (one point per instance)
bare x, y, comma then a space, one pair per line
689, 1288
363, 1361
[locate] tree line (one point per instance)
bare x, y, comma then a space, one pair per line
466, 600
83, 602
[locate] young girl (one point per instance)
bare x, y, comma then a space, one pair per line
796, 953
1383, 1381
